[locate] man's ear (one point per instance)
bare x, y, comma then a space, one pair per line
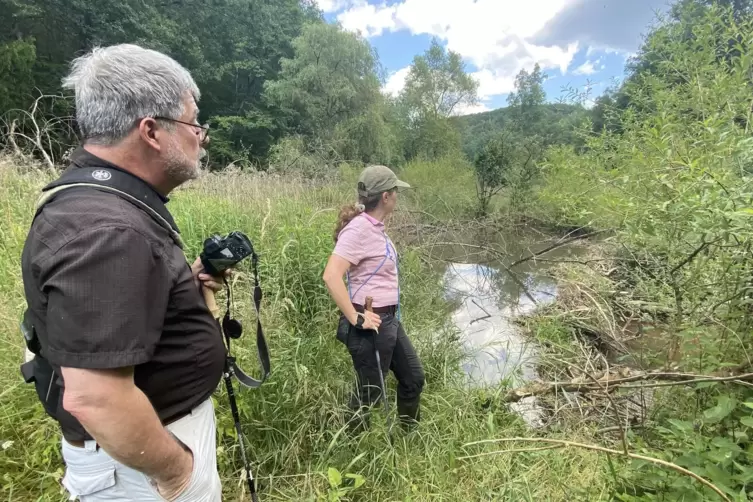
150, 132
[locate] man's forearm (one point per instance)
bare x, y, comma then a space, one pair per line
126, 426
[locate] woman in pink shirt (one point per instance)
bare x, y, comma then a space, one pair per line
366, 255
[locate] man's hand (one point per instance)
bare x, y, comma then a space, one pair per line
121, 419
203, 279
171, 489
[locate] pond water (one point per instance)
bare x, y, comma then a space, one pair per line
488, 298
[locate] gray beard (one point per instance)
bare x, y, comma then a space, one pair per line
180, 168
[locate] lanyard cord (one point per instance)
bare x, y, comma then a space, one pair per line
387, 254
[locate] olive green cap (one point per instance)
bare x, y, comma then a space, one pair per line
378, 179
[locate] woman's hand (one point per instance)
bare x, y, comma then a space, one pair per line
371, 320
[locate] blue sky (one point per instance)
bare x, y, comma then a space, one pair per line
578, 43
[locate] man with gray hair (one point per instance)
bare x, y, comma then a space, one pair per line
126, 352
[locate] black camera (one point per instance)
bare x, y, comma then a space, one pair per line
220, 253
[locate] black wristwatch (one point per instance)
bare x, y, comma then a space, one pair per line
359, 320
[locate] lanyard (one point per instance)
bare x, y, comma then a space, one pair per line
389, 252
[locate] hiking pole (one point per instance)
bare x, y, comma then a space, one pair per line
368, 308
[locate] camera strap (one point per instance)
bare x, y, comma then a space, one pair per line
231, 328
121, 183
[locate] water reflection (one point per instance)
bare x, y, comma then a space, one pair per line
488, 300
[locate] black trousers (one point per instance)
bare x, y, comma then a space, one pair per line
396, 353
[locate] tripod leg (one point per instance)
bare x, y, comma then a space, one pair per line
239, 433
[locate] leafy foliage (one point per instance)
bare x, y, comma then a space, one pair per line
509, 158
438, 84
507, 161
558, 125
329, 83
230, 65
671, 173
528, 98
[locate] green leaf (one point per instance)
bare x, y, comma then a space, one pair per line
681, 425
745, 475
724, 407
720, 478
748, 404
335, 479
747, 421
358, 480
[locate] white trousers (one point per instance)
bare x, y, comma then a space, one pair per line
92, 475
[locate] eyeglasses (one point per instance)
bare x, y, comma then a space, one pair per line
204, 129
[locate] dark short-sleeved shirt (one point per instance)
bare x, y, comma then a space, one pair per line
107, 287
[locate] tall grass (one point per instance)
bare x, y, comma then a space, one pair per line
295, 422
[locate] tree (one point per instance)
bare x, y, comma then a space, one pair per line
231, 48
329, 92
654, 58
331, 77
740, 8
506, 161
17, 59
528, 98
436, 85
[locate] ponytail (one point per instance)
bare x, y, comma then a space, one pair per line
347, 213
350, 211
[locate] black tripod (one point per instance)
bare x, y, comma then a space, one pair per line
228, 377
232, 328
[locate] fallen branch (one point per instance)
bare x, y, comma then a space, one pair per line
618, 428
555, 246
564, 443
12, 139
495, 252
609, 383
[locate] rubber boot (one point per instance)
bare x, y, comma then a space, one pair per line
410, 415
360, 419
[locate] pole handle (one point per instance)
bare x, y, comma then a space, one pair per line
211, 301
369, 303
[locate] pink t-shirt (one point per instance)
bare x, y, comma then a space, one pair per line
364, 243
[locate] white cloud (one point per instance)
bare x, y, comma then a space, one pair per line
492, 35
588, 68
491, 83
605, 25
370, 20
396, 81
468, 110
333, 5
